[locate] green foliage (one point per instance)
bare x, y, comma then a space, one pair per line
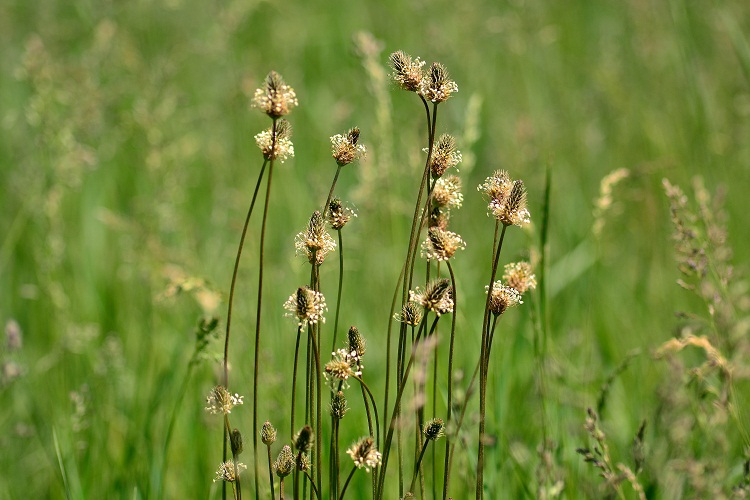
128, 162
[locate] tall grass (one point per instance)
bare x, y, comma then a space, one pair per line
128, 165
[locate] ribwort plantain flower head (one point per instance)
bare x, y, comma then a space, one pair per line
503, 297
227, 472
219, 400
406, 72
275, 98
365, 454
307, 306
338, 214
356, 343
447, 192
444, 155
411, 314
284, 464
304, 439
235, 441
344, 364
507, 199
282, 148
434, 429
303, 462
437, 86
518, 275
268, 433
339, 405
441, 244
345, 148
315, 242
436, 297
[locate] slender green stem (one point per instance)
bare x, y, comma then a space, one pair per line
231, 297
348, 480
314, 487
261, 259
235, 273
484, 364
338, 295
366, 389
446, 465
294, 380
402, 385
281, 489
417, 464
270, 471
330, 193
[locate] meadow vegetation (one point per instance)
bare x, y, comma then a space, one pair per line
128, 161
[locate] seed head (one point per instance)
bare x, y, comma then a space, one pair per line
444, 156
447, 192
407, 73
502, 297
365, 454
356, 342
219, 400
338, 405
307, 306
338, 214
345, 147
235, 440
434, 429
284, 464
518, 275
441, 245
439, 218
268, 433
437, 86
304, 439
226, 471
436, 297
315, 242
507, 199
275, 98
411, 314
282, 148
303, 462
344, 364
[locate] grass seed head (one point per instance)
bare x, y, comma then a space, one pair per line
407, 72
284, 464
345, 148
268, 433
437, 86
365, 454
275, 98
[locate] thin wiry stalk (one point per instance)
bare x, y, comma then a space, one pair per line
235, 273
330, 193
366, 389
348, 480
270, 471
394, 416
408, 272
338, 295
484, 365
418, 464
314, 487
261, 258
231, 295
294, 380
446, 465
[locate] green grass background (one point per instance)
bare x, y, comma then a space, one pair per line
127, 156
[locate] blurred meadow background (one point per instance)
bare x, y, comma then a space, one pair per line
127, 162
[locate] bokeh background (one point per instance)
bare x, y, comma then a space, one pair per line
127, 162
